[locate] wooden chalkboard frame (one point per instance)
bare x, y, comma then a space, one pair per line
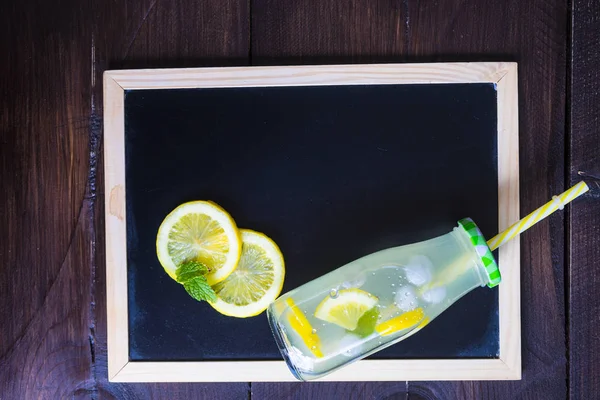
504, 75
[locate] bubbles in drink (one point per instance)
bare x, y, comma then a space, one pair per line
314, 331
333, 293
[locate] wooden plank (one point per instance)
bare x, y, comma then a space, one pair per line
170, 391
154, 34
584, 221
330, 390
509, 296
276, 371
532, 33
327, 32
116, 242
179, 33
311, 75
46, 211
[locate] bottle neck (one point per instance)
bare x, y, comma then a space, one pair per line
465, 242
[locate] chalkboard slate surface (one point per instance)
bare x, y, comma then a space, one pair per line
331, 173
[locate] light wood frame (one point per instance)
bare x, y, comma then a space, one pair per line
504, 75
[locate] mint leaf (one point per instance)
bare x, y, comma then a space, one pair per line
366, 323
191, 275
199, 289
189, 270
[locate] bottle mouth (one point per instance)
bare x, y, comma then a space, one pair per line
484, 253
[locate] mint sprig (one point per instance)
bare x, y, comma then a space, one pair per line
366, 323
191, 275
189, 270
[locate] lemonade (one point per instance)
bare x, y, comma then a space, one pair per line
378, 300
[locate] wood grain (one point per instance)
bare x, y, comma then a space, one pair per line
584, 216
277, 371
509, 292
328, 32
311, 75
116, 242
531, 33
46, 224
330, 390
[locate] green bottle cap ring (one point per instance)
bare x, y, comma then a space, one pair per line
483, 250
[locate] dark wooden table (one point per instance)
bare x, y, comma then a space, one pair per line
52, 265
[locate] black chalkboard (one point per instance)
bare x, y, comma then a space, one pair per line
331, 173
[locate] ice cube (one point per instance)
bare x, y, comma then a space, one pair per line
350, 345
355, 281
435, 295
405, 298
418, 270
300, 360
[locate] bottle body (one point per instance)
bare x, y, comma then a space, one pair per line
373, 302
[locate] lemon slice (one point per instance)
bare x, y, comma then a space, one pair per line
199, 231
401, 322
304, 329
345, 307
257, 280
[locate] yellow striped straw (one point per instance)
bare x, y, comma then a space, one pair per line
557, 203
